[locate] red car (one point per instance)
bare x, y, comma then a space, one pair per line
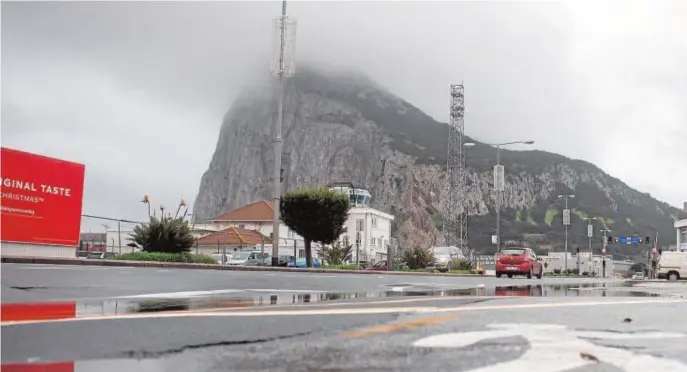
518, 261
379, 266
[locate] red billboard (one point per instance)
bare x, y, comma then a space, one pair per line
41, 199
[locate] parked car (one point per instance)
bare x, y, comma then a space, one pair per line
240, 258
518, 261
443, 256
300, 262
285, 259
257, 260
638, 275
379, 266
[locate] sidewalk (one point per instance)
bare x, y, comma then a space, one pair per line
179, 265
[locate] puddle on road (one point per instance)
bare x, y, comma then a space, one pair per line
128, 306
252, 299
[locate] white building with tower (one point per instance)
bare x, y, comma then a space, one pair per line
367, 229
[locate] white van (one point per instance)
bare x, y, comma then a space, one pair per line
672, 266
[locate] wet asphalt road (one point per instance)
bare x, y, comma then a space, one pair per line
32, 282
394, 325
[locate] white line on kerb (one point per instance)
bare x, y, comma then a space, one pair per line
182, 294
215, 292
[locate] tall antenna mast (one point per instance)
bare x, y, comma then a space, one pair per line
285, 67
455, 210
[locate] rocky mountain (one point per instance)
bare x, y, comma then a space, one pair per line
344, 127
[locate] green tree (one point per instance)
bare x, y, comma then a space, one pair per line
165, 234
318, 215
337, 253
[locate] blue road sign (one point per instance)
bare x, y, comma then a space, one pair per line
622, 240
635, 240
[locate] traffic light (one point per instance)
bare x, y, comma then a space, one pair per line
646, 240
610, 240
578, 250
281, 175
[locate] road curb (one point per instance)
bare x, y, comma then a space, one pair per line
180, 265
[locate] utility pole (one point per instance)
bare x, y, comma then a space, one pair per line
566, 223
283, 27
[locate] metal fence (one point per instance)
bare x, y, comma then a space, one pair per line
488, 262
102, 233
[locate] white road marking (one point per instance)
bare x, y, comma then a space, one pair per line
73, 267
555, 348
183, 294
189, 294
286, 290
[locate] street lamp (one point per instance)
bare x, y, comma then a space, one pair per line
566, 223
605, 230
590, 234
499, 184
464, 184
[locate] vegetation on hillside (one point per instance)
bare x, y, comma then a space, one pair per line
318, 215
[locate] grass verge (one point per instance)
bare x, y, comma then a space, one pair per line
167, 257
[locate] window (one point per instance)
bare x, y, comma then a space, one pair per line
301, 253
374, 222
290, 233
242, 226
373, 241
360, 225
683, 235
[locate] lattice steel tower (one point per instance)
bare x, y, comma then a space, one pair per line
455, 217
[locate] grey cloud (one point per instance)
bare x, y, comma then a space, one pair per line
148, 83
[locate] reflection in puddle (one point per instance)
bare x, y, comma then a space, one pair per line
127, 306
247, 298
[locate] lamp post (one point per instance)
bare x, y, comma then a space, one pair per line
566, 223
605, 230
499, 184
357, 248
464, 185
590, 234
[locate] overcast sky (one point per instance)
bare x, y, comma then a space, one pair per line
137, 91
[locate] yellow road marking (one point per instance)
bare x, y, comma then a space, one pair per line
389, 328
352, 311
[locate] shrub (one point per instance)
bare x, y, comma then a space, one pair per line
417, 258
167, 257
462, 265
336, 254
557, 271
